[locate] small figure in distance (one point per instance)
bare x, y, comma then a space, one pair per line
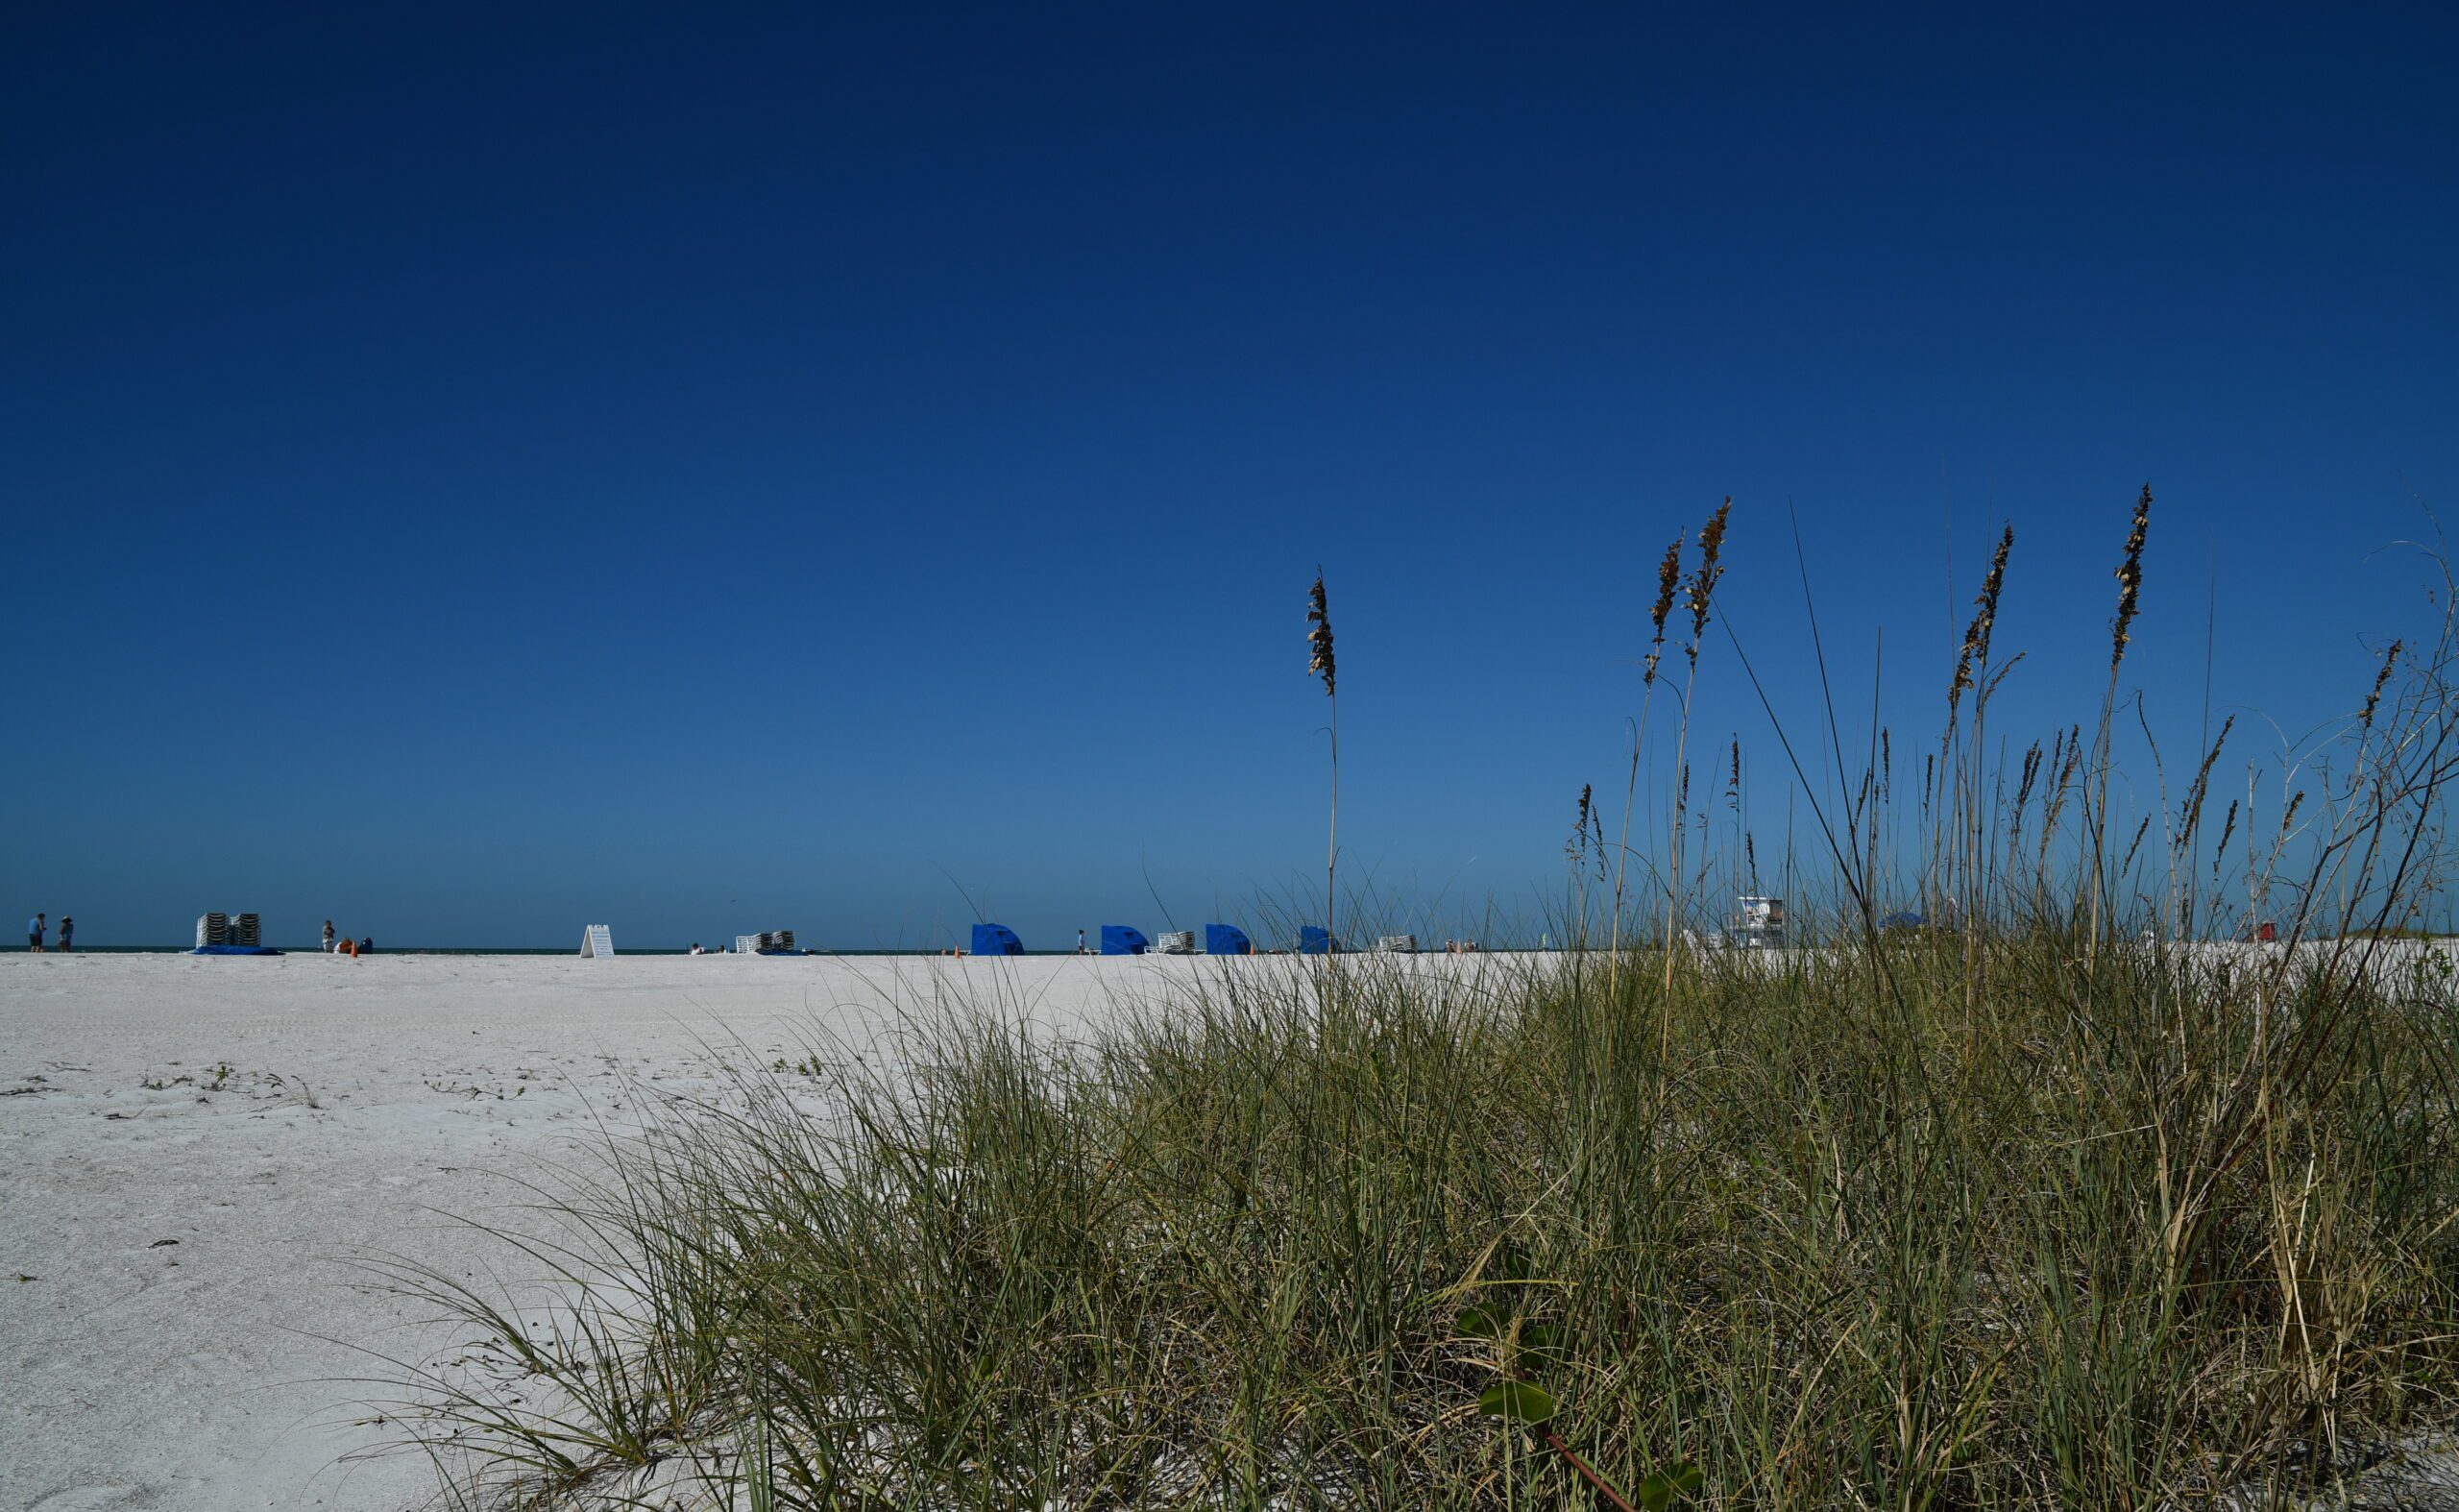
347, 948
367, 944
67, 934
34, 927
328, 936
1080, 942
696, 948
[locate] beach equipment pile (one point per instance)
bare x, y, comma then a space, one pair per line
228, 929
231, 935
1175, 942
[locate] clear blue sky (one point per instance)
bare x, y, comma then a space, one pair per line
474, 471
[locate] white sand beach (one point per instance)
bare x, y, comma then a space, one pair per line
194, 1148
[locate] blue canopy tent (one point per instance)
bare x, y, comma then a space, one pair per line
1314, 940
1226, 939
1124, 939
996, 939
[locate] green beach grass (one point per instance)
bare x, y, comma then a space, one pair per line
2012, 1209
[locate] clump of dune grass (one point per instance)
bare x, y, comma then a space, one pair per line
2026, 1212
1270, 1244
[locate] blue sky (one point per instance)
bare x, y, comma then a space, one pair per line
472, 473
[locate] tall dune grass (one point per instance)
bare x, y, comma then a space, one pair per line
2024, 1211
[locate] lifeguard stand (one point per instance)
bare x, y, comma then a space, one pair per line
1759, 923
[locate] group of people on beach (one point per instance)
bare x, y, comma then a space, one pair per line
37, 928
347, 947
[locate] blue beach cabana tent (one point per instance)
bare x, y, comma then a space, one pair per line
996, 939
1226, 939
1314, 940
1124, 939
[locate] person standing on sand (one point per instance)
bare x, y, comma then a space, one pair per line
34, 933
67, 933
328, 936
1080, 942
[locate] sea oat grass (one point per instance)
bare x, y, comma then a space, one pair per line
1266, 1244
2015, 1209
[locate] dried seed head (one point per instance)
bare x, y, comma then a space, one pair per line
1985, 618
1319, 635
1578, 846
2228, 827
1702, 588
2390, 658
1669, 578
2130, 578
2140, 830
2203, 778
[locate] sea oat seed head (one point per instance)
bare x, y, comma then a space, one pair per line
1985, 619
2130, 578
1668, 579
2390, 659
1319, 638
1702, 587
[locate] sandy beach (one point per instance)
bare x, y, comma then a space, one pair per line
195, 1148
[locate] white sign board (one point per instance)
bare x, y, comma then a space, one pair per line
598, 942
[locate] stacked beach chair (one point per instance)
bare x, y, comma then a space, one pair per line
1397, 944
225, 929
779, 942
1175, 942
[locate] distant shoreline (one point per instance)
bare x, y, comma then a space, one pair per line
310, 949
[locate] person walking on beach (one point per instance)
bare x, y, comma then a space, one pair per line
34, 933
328, 936
1080, 942
67, 933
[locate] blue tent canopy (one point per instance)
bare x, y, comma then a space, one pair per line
1314, 940
1226, 939
1124, 939
996, 939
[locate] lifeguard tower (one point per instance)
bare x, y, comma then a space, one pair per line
1757, 924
